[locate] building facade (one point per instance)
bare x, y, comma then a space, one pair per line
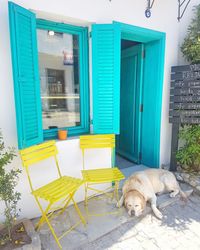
78, 43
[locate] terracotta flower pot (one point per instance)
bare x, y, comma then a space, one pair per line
62, 134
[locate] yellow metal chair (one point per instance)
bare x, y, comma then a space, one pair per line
61, 189
102, 175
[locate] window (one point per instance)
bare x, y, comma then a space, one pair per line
45, 92
62, 55
59, 79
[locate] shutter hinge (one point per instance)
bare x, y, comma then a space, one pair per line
140, 156
90, 34
141, 107
143, 54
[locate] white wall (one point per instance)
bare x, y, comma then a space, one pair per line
164, 18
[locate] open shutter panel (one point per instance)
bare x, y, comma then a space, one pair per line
106, 77
25, 75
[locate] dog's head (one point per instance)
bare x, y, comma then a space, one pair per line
134, 203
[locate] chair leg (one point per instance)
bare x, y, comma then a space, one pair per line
75, 205
44, 217
117, 190
66, 204
114, 191
78, 211
113, 195
86, 198
41, 221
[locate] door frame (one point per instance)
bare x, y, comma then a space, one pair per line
145, 36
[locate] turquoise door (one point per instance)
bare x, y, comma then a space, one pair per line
128, 141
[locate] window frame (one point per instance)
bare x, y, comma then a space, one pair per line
82, 32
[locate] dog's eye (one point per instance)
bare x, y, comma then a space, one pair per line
129, 205
136, 205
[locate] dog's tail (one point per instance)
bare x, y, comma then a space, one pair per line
185, 195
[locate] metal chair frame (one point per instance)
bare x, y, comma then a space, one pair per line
100, 176
60, 190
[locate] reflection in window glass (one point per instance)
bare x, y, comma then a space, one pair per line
59, 78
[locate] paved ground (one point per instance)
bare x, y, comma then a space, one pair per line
179, 230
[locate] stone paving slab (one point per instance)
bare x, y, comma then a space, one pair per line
193, 179
96, 227
179, 230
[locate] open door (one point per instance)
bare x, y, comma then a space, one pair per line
106, 41
128, 141
152, 101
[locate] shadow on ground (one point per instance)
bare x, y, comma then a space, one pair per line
177, 215
183, 215
179, 227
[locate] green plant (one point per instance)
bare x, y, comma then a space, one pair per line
191, 45
189, 154
8, 182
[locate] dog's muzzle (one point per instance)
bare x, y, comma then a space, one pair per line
131, 212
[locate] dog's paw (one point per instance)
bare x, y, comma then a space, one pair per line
158, 214
120, 202
173, 194
118, 205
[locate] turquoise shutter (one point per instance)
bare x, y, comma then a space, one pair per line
106, 77
25, 75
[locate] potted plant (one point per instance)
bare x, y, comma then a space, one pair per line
188, 155
12, 234
62, 134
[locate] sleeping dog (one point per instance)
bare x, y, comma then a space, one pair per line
143, 186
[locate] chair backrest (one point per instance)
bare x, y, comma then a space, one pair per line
38, 153
97, 141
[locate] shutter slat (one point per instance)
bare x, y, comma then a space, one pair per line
26, 76
106, 77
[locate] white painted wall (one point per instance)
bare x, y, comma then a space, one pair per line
164, 18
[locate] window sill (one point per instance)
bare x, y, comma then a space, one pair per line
69, 138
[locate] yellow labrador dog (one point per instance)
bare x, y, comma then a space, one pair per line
143, 186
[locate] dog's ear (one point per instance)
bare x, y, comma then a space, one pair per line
143, 202
126, 198
142, 199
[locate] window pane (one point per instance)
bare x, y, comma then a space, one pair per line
59, 78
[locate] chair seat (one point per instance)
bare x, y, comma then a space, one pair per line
102, 175
58, 189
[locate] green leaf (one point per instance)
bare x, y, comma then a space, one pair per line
8, 182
